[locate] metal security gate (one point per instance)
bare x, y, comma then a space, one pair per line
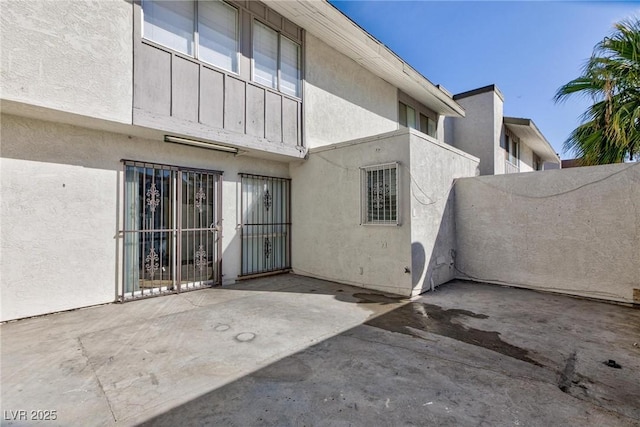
171, 229
266, 224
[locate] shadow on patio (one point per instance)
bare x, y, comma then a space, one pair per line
290, 350
468, 354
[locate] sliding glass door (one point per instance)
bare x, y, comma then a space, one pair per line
171, 229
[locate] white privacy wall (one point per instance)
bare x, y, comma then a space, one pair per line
61, 191
328, 240
434, 168
342, 100
70, 55
573, 231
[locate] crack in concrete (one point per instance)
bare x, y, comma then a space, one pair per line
595, 404
185, 297
95, 374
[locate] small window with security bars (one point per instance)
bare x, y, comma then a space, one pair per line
380, 189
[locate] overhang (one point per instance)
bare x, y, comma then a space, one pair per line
529, 134
327, 23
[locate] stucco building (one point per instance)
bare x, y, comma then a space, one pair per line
156, 147
503, 144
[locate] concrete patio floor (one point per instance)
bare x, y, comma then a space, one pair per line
290, 350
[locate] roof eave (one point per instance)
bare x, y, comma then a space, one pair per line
528, 132
330, 25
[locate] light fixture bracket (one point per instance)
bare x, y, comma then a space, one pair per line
201, 144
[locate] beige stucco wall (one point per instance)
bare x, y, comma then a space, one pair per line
328, 240
342, 100
61, 189
434, 167
574, 231
70, 55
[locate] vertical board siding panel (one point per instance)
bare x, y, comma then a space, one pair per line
234, 102
273, 117
211, 97
185, 79
289, 121
255, 111
152, 87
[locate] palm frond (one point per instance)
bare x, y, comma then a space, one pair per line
610, 129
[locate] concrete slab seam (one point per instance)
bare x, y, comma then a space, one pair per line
86, 356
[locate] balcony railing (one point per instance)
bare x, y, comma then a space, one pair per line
510, 167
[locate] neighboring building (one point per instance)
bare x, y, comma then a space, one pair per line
571, 163
503, 144
152, 147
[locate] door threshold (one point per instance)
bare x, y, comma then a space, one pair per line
268, 273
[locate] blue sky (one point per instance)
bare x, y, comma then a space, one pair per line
528, 49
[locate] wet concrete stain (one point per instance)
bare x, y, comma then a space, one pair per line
436, 320
566, 376
378, 298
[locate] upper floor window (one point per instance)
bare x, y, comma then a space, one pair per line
207, 30
537, 163
407, 117
512, 146
276, 60
218, 34
428, 126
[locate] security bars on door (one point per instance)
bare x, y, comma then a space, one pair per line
171, 229
266, 224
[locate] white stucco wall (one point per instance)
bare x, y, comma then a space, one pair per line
70, 55
61, 189
328, 240
476, 133
526, 158
342, 100
574, 231
434, 167
497, 135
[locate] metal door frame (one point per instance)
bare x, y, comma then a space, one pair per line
286, 225
177, 230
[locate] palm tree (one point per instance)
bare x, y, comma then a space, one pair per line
610, 132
